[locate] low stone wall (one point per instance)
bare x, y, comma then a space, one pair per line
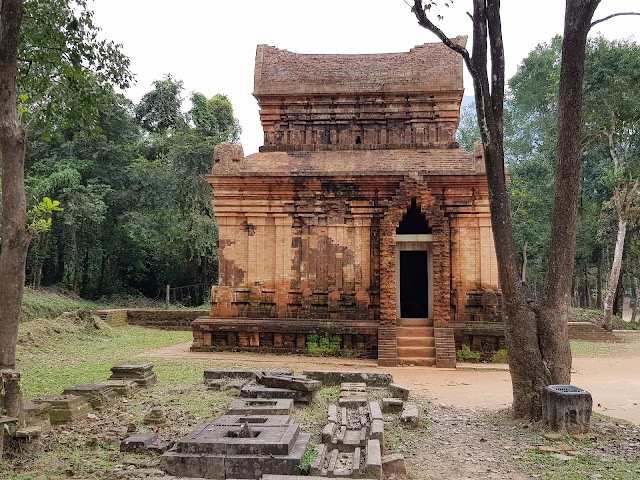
160, 319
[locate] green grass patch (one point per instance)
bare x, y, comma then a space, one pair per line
602, 467
48, 304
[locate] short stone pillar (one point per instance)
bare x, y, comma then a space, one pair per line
565, 407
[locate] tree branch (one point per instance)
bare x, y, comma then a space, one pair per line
424, 22
611, 16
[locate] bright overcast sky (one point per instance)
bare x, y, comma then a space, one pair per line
210, 44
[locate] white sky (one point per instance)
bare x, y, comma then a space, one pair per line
210, 44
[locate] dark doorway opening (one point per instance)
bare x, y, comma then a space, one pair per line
414, 284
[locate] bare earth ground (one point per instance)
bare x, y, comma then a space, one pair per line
613, 379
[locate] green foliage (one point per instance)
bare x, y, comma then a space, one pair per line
65, 71
322, 343
40, 215
465, 354
501, 356
159, 109
214, 117
308, 456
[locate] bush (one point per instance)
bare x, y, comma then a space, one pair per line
465, 354
501, 356
323, 344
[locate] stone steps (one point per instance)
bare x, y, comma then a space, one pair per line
417, 361
417, 341
416, 352
415, 331
591, 333
415, 322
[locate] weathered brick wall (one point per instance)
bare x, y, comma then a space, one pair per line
164, 319
327, 101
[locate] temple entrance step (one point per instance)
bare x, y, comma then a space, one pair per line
416, 341
416, 352
415, 331
415, 322
417, 362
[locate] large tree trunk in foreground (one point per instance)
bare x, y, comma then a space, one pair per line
15, 234
537, 338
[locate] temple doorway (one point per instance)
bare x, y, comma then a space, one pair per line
414, 272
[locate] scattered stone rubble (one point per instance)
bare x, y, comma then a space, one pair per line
353, 438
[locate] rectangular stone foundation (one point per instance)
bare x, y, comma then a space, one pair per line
215, 451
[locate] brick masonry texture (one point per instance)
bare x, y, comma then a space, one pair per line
307, 226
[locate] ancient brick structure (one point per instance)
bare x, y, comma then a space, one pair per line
360, 216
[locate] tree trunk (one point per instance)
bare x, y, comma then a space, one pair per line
554, 304
599, 282
612, 285
15, 234
523, 275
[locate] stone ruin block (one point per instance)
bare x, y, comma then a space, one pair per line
299, 384
37, 415
398, 391
123, 388
260, 406
565, 407
352, 402
361, 461
96, 395
141, 373
138, 443
242, 374
392, 404
263, 420
67, 408
253, 390
394, 464
295, 477
410, 415
224, 384
232, 451
371, 379
351, 427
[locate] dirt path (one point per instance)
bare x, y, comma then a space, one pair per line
612, 379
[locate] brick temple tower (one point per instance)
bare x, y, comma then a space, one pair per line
360, 216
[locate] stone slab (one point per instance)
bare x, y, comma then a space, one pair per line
246, 374
67, 408
123, 388
141, 373
138, 443
373, 460
289, 382
192, 465
133, 369
211, 439
410, 415
398, 391
234, 466
377, 432
260, 406
264, 420
392, 404
37, 415
371, 379
375, 412
394, 464
255, 467
253, 390
296, 477
351, 402
160, 447
28, 433
97, 395
224, 384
